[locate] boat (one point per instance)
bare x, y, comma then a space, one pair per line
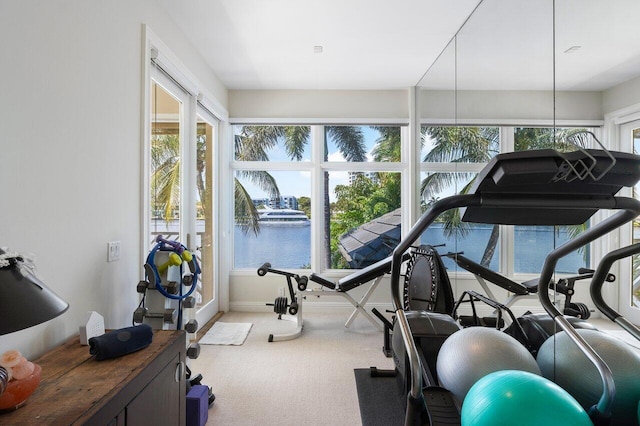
286, 217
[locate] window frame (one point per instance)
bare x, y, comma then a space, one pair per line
317, 167
410, 168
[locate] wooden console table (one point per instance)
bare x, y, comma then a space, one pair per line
142, 388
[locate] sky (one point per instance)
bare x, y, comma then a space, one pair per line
298, 183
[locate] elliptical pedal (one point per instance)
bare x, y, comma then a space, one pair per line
441, 408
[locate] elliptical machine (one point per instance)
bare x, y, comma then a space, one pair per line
543, 187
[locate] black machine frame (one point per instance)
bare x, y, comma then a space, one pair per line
542, 187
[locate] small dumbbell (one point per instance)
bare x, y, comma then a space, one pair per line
191, 326
187, 280
142, 286
139, 314
193, 351
174, 260
172, 287
189, 302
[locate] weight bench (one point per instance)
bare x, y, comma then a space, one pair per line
528, 288
373, 274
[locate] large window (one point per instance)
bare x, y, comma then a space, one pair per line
329, 197
342, 182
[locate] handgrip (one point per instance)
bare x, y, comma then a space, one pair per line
262, 271
610, 277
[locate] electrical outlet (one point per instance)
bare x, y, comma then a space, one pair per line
113, 251
281, 292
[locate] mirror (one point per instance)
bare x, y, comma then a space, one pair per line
500, 65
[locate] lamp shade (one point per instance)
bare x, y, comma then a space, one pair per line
24, 300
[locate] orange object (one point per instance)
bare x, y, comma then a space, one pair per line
18, 391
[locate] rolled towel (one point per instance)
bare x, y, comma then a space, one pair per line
120, 342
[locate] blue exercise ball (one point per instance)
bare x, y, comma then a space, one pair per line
512, 397
472, 353
561, 361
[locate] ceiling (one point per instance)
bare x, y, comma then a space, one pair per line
382, 45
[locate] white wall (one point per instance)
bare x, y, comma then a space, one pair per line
70, 156
319, 104
506, 106
621, 96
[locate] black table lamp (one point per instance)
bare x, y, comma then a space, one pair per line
24, 300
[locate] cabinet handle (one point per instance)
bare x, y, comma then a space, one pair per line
179, 371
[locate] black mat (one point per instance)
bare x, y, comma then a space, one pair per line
379, 398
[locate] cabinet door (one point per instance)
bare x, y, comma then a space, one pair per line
161, 401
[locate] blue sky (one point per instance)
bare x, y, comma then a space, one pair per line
298, 183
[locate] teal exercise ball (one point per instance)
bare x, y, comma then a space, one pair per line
513, 397
472, 353
561, 361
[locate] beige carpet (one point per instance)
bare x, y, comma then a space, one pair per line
307, 381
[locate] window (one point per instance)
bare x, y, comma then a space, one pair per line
336, 180
451, 158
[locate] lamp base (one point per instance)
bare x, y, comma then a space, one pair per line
17, 392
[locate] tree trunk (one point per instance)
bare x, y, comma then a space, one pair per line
327, 223
491, 246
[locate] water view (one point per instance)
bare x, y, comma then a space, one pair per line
289, 247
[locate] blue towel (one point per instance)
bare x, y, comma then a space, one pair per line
120, 342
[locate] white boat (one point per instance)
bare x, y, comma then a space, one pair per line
286, 217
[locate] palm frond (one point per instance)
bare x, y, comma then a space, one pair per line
349, 140
246, 214
296, 138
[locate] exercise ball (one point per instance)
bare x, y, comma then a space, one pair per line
560, 360
472, 353
511, 397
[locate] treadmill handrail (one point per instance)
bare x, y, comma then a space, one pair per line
629, 209
600, 276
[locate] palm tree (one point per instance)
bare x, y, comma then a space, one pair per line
252, 145
459, 145
479, 145
165, 175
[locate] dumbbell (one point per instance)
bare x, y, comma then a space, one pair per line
139, 314
168, 315
193, 351
191, 326
142, 286
174, 260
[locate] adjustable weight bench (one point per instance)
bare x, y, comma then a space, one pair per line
564, 286
373, 274
483, 274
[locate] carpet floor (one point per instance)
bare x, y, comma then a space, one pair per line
309, 380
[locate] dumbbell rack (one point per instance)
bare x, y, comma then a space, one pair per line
163, 313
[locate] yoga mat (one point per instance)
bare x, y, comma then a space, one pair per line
379, 399
226, 333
